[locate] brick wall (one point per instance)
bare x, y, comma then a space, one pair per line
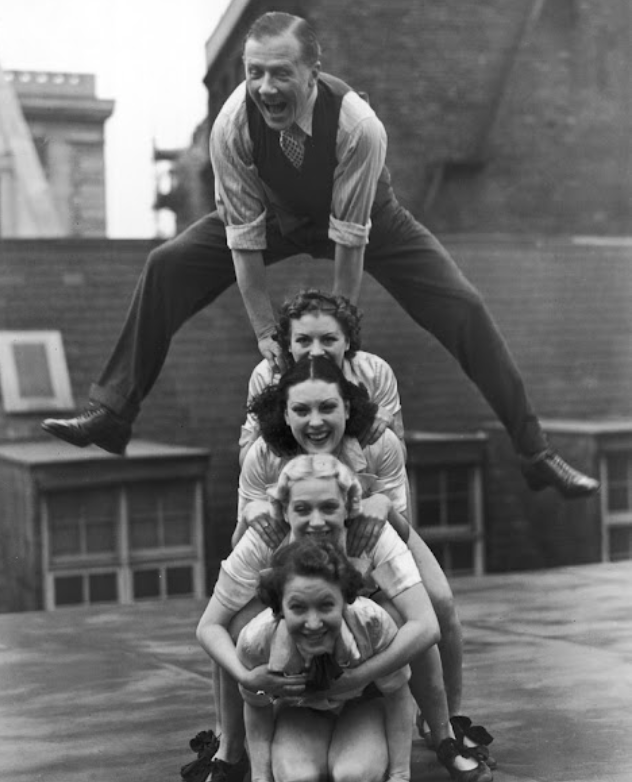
499, 119
564, 308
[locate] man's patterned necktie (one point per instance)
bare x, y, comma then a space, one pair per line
291, 142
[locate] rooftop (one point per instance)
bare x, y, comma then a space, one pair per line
116, 692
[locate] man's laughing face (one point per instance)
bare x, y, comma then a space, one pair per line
277, 78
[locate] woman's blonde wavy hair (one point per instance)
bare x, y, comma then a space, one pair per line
317, 466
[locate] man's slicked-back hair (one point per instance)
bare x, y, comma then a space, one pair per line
276, 23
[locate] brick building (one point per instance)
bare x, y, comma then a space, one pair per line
66, 122
519, 121
502, 117
562, 303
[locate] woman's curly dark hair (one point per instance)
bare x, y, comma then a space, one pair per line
307, 558
269, 406
312, 300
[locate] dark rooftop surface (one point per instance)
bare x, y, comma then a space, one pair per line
115, 693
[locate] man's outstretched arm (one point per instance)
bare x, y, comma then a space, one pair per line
348, 268
251, 276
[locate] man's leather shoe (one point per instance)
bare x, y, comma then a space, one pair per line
94, 426
549, 469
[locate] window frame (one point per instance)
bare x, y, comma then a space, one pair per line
124, 562
13, 401
613, 519
444, 452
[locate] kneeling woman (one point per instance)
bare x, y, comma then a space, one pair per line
316, 625
318, 496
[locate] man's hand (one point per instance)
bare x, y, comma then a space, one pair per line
365, 529
260, 515
383, 421
271, 351
276, 685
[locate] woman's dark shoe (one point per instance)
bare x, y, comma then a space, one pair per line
549, 469
449, 750
96, 425
479, 739
222, 771
205, 744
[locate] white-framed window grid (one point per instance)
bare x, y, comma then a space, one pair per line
112, 574
456, 532
616, 504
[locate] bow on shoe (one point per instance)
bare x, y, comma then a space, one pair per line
477, 734
206, 744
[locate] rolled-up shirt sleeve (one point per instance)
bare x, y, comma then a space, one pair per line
361, 150
239, 193
393, 567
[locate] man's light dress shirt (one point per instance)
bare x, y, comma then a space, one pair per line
241, 197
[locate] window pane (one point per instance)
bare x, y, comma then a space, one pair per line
428, 481
617, 497
180, 581
161, 514
143, 533
461, 557
142, 500
33, 372
146, 583
144, 517
429, 512
618, 466
457, 480
102, 588
68, 590
177, 501
83, 521
178, 531
65, 539
100, 537
620, 543
63, 526
101, 512
458, 509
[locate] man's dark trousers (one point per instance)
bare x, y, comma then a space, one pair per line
187, 273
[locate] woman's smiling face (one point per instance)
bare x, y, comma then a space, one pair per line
312, 609
317, 415
318, 334
316, 509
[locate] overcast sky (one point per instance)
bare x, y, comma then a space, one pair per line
147, 56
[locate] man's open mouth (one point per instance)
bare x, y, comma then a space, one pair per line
275, 109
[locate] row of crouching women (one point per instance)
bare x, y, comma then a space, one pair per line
331, 623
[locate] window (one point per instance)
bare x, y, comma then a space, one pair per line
83, 525
617, 505
33, 372
446, 511
80, 588
160, 516
123, 543
159, 582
